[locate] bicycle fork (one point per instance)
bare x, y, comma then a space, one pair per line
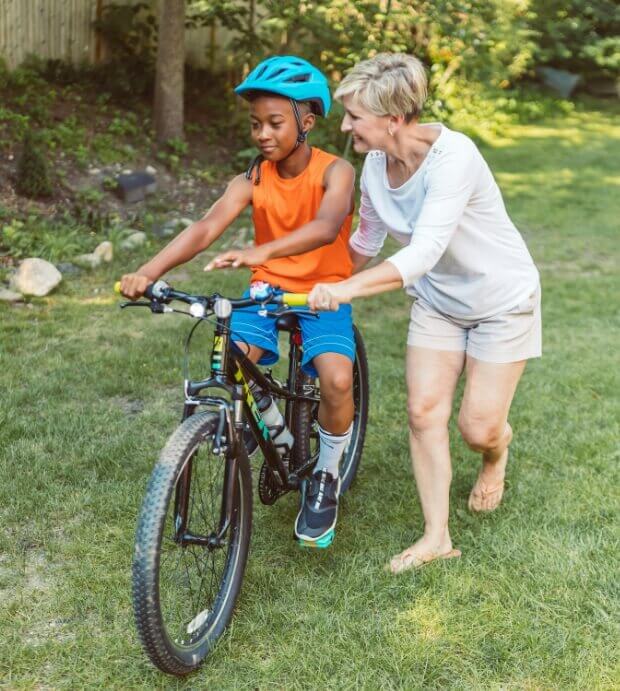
226, 442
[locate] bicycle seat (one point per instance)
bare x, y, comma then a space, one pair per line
288, 321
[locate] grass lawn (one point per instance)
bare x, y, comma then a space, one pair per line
90, 394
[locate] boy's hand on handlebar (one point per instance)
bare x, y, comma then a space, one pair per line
134, 285
233, 259
328, 296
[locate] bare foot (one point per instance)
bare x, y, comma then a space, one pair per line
488, 490
423, 552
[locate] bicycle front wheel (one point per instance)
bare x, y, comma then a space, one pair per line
184, 590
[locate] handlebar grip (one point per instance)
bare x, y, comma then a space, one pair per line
117, 287
295, 299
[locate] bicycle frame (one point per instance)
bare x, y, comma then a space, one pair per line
231, 370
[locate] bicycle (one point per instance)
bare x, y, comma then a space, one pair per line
194, 526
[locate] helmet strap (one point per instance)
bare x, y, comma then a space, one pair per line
302, 136
254, 166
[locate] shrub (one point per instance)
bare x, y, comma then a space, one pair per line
33, 178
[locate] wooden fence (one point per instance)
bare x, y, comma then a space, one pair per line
63, 30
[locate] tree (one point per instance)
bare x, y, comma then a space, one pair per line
169, 71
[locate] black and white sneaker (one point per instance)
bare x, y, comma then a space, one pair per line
317, 516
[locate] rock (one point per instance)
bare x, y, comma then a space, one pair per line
185, 222
134, 241
88, 261
35, 276
150, 170
68, 269
165, 231
133, 187
10, 296
94, 171
240, 239
105, 251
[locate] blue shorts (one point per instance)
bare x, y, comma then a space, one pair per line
330, 332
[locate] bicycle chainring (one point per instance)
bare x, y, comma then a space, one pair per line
268, 491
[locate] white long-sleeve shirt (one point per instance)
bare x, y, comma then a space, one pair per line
462, 252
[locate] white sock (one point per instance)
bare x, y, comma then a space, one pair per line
331, 448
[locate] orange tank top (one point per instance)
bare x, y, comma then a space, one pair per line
280, 206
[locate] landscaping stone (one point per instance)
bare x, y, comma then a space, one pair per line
150, 170
164, 231
134, 241
88, 261
105, 251
68, 269
185, 222
35, 276
10, 296
133, 187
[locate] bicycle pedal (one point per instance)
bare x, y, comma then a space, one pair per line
322, 543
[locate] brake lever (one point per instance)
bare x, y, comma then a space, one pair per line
274, 314
154, 306
134, 304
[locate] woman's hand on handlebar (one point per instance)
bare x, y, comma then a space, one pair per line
134, 285
328, 296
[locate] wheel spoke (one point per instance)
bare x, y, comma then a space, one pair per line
190, 583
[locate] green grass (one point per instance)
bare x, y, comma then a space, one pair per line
90, 394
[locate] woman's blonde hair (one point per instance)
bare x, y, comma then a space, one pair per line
388, 84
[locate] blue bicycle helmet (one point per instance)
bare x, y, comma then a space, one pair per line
292, 77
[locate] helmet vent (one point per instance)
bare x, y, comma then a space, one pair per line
299, 78
277, 73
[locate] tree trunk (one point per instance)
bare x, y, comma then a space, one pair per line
169, 76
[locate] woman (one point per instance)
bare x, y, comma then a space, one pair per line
476, 289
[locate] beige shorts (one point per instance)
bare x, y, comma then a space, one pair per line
508, 337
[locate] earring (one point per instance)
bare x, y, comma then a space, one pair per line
390, 132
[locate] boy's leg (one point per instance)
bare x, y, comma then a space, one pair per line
252, 352
318, 513
336, 377
330, 345
335, 410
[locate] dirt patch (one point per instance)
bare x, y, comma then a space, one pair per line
129, 406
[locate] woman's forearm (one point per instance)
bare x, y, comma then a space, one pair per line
378, 279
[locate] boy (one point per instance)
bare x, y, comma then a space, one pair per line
302, 201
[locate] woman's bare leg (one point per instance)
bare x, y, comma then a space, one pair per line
483, 422
432, 376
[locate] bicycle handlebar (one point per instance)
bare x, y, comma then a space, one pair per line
163, 293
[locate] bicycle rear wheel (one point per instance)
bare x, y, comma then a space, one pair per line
306, 432
184, 594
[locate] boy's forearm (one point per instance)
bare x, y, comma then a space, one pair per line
359, 260
185, 246
309, 237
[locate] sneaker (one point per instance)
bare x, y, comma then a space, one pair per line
317, 516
